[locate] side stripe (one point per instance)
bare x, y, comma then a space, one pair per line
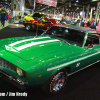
66, 64
83, 68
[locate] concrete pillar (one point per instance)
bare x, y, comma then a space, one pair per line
69, 14
54, 12
73, 15
83, 12
22, 5
87, 11
34, 5
98, 15
12, 12
63, 11
50, 11
58, 10
91, 14
97, 12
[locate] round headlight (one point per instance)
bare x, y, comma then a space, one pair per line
20, 72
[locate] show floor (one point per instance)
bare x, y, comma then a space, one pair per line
84, 85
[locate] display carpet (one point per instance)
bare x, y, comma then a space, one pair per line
17, 31
84, 85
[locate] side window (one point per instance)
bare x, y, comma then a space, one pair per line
76, 36
92, 40
42, 20
47, 21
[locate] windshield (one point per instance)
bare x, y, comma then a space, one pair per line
71, 36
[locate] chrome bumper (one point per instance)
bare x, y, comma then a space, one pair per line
15, 81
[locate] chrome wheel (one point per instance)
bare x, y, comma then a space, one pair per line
28, 27
48, 28
58, 82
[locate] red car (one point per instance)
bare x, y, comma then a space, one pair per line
42, 23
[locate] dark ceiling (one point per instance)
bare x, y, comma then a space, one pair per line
75, 6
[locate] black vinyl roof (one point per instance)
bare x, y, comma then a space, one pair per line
77, 28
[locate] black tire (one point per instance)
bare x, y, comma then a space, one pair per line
56, 82
28, 27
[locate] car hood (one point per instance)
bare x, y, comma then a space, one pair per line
31, 47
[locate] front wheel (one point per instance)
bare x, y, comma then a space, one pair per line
28, 27
56, 82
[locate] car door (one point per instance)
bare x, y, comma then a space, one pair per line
44, 24
40, 24
91, 52
47, 24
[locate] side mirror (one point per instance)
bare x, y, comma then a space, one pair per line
90, 45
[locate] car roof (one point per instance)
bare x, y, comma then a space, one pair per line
77, 28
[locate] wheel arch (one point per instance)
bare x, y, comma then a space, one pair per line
67, 68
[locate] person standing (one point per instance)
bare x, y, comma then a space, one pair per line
3, 15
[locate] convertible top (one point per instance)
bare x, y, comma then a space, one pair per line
77, 28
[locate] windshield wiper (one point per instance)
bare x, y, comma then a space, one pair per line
63, 40
66, 42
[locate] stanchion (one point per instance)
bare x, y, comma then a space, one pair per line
37, 29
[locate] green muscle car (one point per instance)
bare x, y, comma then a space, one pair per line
47, 60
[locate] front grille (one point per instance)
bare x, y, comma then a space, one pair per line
7, 64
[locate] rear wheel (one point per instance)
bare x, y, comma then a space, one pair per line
56, 82
28, 27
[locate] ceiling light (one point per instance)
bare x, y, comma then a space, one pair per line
77, 1
77, 7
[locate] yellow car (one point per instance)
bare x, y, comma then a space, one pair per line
29, 17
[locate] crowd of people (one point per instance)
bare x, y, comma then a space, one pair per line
67, 20
79, 22
3, 16
76, 21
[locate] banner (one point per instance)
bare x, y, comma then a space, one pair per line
48, 2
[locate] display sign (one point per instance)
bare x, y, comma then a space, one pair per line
48, 2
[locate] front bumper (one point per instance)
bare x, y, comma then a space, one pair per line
15, 81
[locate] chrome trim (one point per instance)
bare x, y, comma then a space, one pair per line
13, 78
73, 61
84, 68
58, 82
